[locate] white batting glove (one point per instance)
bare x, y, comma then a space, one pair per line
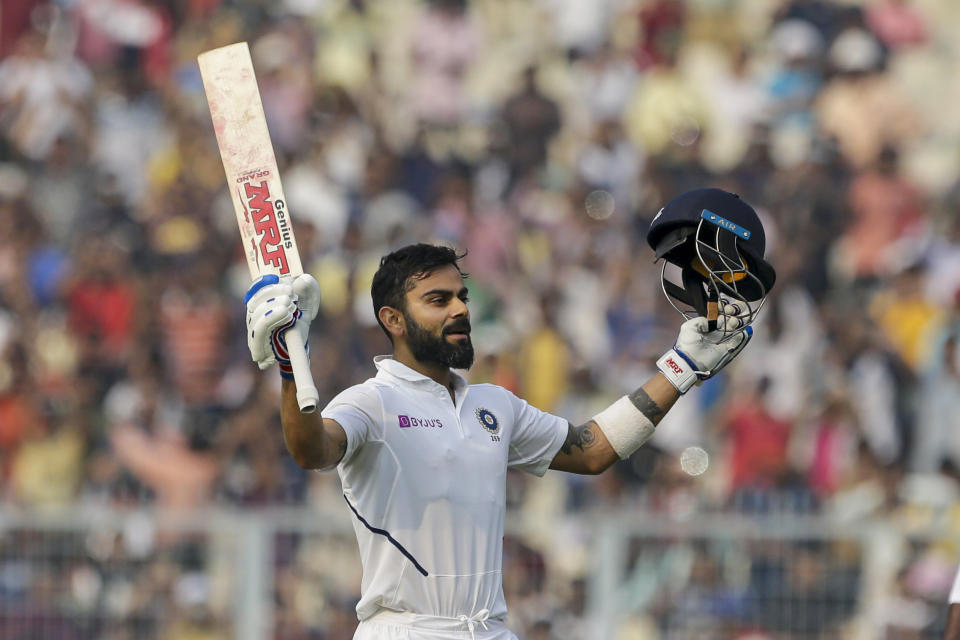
274, 305
700, 353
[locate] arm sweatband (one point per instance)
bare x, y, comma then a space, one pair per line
625, 427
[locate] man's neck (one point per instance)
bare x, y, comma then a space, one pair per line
435, 371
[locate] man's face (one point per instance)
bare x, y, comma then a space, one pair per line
438, 321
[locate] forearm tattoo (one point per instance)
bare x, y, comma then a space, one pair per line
646, 405
581, 437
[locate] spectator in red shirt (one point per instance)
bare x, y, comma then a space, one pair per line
101, 302
757, 441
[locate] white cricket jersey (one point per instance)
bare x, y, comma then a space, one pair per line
426, 480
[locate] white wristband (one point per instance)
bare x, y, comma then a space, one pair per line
677, 370
625, 427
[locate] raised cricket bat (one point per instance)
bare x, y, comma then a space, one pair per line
254, 183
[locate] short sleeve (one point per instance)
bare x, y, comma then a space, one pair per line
536, 437
955, 591
357, 410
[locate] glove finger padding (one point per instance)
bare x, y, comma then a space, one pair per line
728, 321
270, 304
275, 305
264, 320
259, 293
733, 309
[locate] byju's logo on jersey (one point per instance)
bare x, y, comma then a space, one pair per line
490, 423
410, 421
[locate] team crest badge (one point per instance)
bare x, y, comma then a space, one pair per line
488, 421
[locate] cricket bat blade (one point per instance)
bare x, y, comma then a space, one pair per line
266, 229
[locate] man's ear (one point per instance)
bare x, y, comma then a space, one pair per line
393, 320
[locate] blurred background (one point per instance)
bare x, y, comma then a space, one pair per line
810, 491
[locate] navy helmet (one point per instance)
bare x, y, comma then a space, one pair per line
716, 243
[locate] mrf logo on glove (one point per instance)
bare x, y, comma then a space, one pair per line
670, 362
702, 350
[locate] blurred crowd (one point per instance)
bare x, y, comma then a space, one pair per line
495, 126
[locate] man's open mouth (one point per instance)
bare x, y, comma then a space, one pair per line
458, 332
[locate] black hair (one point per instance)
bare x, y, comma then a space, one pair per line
398, 271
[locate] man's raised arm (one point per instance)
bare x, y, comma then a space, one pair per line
623, 427
587, 449
313, 441
275, 306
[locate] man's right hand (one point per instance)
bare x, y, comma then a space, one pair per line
274, 305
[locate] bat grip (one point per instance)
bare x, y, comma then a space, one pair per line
307, 395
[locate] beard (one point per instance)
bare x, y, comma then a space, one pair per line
427, 347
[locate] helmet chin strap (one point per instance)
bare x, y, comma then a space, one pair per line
691, 293
702, 295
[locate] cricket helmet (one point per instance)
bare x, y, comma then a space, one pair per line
712, 245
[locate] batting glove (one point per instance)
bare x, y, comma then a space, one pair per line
275, 305
700, 353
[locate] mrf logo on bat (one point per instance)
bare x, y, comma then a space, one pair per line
270, 221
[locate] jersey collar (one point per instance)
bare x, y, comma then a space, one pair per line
387, 366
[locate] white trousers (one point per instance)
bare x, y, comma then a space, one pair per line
392, 625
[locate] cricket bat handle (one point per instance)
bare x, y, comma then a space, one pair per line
307, 395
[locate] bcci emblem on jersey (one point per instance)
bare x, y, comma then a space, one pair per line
488, 421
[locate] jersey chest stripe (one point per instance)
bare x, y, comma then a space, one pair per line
390, 538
